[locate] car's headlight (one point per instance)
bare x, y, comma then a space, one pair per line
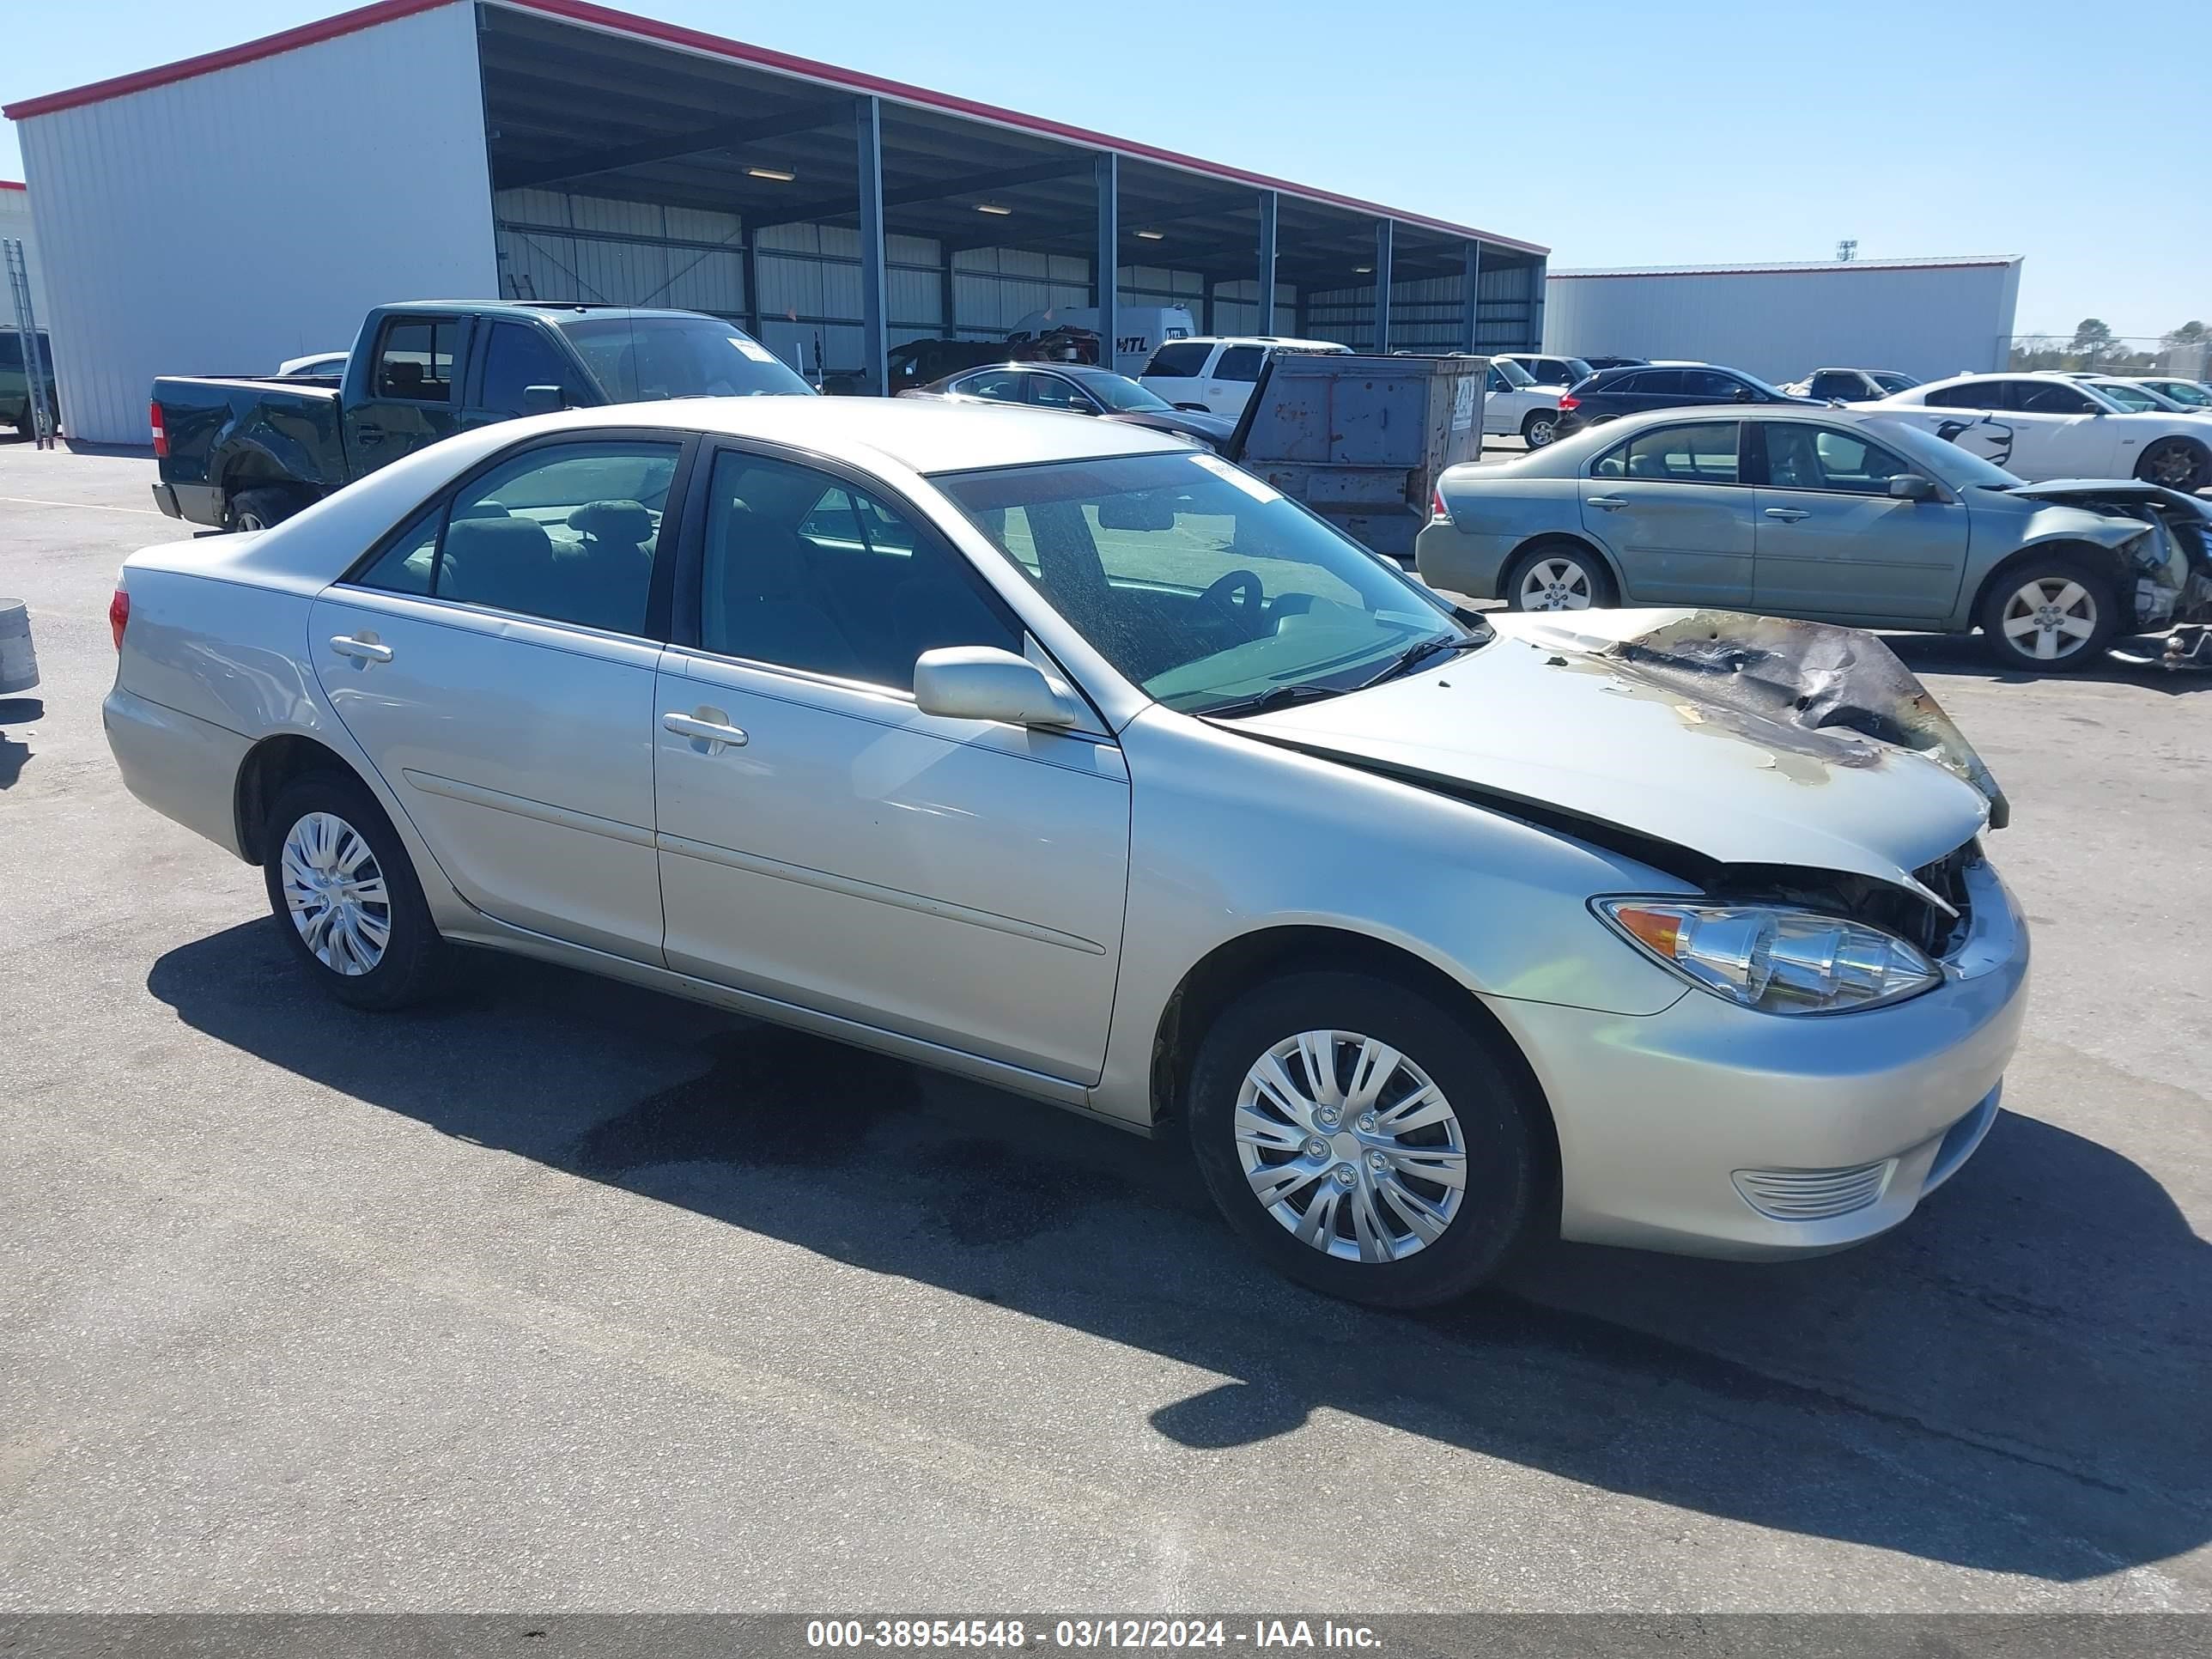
1772, 959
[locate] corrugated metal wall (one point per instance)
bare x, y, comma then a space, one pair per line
1927, 321
1426, 315
149, 274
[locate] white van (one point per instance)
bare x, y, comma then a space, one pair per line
1139, 331
1217, 373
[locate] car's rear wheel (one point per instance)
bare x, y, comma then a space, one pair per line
1364, 1139
1540, 426
2176, 463
340, 882
2052, 616
261, 508
1558, 576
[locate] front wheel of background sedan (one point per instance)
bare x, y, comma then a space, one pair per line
1558, 576
1540, 427
1365, 1140
2050, 615
2176, 463
345, 894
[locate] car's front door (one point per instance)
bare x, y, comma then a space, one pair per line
1504, 405
1829, 540
1671, 506
825, 843
2061, 432
410, 397
495, 659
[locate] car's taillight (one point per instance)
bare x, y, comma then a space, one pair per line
1436, 509
160, 438
1568, 400
118, 615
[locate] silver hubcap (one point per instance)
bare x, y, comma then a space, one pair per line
335, 893
1539, 434
2051, 618
1351, 1146
1555, 584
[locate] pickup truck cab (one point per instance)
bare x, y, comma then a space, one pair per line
243, 452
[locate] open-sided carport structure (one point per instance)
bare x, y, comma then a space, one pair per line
560, 150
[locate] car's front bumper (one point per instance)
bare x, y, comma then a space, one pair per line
1711, 1129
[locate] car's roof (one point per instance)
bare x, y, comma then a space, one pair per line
1259, 340
550, 309
924, 434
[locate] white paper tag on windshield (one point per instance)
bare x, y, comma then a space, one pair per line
1237, 475
753, 348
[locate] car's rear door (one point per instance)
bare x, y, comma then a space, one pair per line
1829, 540
825, 843
1671, 506
494, 658
407, 394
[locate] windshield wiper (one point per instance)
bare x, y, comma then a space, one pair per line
1414, 655
1278, 696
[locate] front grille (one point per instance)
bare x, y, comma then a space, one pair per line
1813, 1195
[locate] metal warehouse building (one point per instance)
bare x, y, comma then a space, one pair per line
222, 214
1925, 317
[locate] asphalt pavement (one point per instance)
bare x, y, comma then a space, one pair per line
563, 1295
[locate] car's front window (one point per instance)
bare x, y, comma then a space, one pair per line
1515, 376
645, 359
1200, 583
2195, 397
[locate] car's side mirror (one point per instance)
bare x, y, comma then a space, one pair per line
543, 400
1744, 394
983, 682
1913, 487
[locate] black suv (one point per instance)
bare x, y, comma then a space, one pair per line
1615, 392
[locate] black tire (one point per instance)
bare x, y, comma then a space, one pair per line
412, 958
1540, 427
1589, 575
2176, 463
2053, 573
1492, 1107
262, 506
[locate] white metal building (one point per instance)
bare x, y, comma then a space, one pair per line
15, 226
1926, 318
220, 215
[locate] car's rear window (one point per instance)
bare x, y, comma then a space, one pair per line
1180, 358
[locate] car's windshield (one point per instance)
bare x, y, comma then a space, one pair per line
1755, 381
1200, 583
1120, 391
1515, 374
1942, 460
1889, 382
2134, 398
643, 359
1578, 371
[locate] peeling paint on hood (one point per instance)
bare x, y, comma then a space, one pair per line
1747, 739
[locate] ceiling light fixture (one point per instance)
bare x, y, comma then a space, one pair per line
779, 175
1361, 270
1152, 235
993, 207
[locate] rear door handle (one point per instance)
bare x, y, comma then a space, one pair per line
359, 649
709, 726
1607, 502
1788, 514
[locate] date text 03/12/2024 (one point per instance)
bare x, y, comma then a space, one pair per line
1085, 1633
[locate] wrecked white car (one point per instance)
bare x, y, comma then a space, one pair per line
1825, 514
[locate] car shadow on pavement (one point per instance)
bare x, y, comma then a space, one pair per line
2013, 1381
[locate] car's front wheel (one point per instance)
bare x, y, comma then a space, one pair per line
340, 883
1366, 1140
2050, 615
2176, 463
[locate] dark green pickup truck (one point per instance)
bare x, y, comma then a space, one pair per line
244, 451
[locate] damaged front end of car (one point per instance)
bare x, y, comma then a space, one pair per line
2171, 559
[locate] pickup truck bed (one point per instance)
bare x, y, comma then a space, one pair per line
219, 438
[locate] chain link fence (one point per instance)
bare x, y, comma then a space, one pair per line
2184, 359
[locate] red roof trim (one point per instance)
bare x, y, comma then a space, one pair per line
1839, 268
649, 28
13, 184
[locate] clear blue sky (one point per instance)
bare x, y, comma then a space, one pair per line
1621, 134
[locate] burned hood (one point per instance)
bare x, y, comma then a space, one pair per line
1745, 739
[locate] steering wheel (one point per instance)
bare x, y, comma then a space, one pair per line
1245, 609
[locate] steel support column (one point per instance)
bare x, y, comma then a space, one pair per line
749, 273
1383, 227
948, 299
1108, 266
1266, 262
875, 334
1536, 276
1470, 301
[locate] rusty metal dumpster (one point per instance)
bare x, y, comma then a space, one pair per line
1361, 439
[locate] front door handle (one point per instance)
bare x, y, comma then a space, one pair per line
1607, 503
1788, 514
361, 650
368, 434
709, 726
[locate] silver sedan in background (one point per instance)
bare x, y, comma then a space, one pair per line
1829, 515
1065, 756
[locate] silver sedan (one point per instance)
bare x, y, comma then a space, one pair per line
1062, 755
1830, 515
